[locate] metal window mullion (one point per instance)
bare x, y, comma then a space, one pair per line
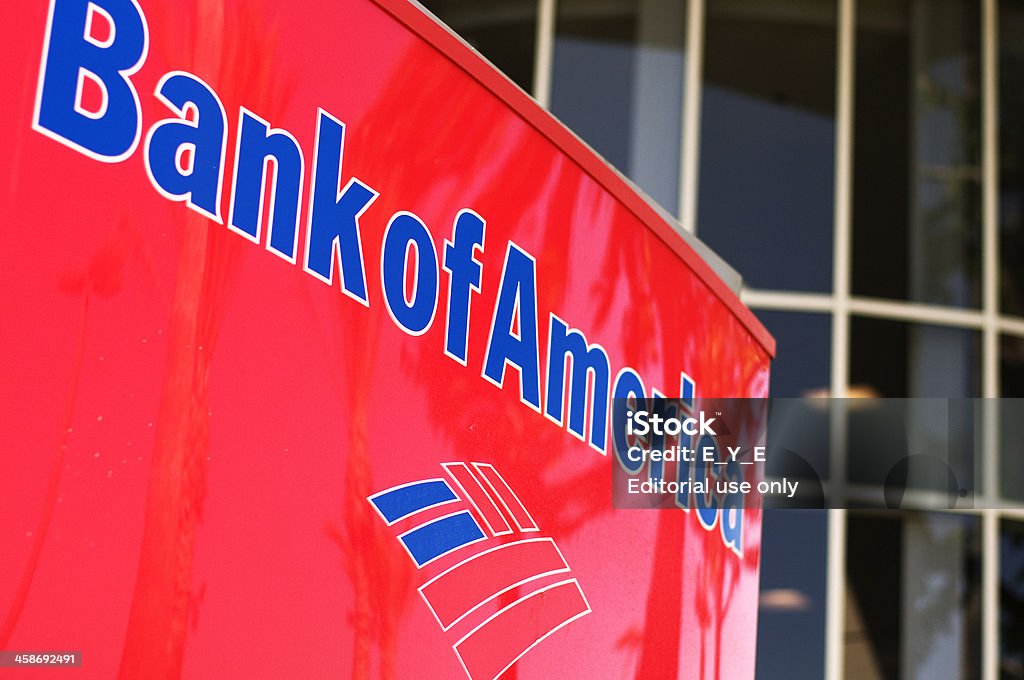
990, 595
543, 60
990, 198
835, 594
689, 140
917, 312
1011, 325
790, 301
990, 340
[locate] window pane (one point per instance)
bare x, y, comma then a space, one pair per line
1011, 600
1011, 366
1011, 418
1011, 449
617, 82
1011, 155
917, 174
767, 140
798, 431
913, 596
897, 359
791, 615
505, 32
803, 347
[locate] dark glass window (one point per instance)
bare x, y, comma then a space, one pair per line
1011, 367
1011, 418
898, 359
505, 32
791, 611
938, 365
617, 82
768, 139
916, 164
803, 347
798, 430
1011, 600
913, 596
1011, 156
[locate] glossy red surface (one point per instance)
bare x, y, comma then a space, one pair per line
192, 425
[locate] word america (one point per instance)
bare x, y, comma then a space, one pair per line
105, 42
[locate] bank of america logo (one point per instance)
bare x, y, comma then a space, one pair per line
501, 549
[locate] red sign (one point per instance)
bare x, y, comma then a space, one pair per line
312, 330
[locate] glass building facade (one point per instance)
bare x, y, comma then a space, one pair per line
861, 164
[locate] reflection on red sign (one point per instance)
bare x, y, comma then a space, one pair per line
263, 262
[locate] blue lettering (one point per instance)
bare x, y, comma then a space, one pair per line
585, 359
334, 217
707, 503
195, 178
256, 148
686, 390
732, 511
659, 440
415, 315
684, 473
628, 387
72, 55
464, 277
516, 306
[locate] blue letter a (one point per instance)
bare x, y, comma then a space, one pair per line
517, 305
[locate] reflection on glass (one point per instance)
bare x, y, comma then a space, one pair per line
1011, 449
917, 174
1011, 368
897, 359
791, 614
504, 32
803, 347
1011, 155
913, 596
801, 366
768, 138
617, 82
1011, 418
934, 443
1011, 600
898, 446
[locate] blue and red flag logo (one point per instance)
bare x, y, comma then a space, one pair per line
503, 550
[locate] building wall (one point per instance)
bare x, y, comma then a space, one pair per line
861, 163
